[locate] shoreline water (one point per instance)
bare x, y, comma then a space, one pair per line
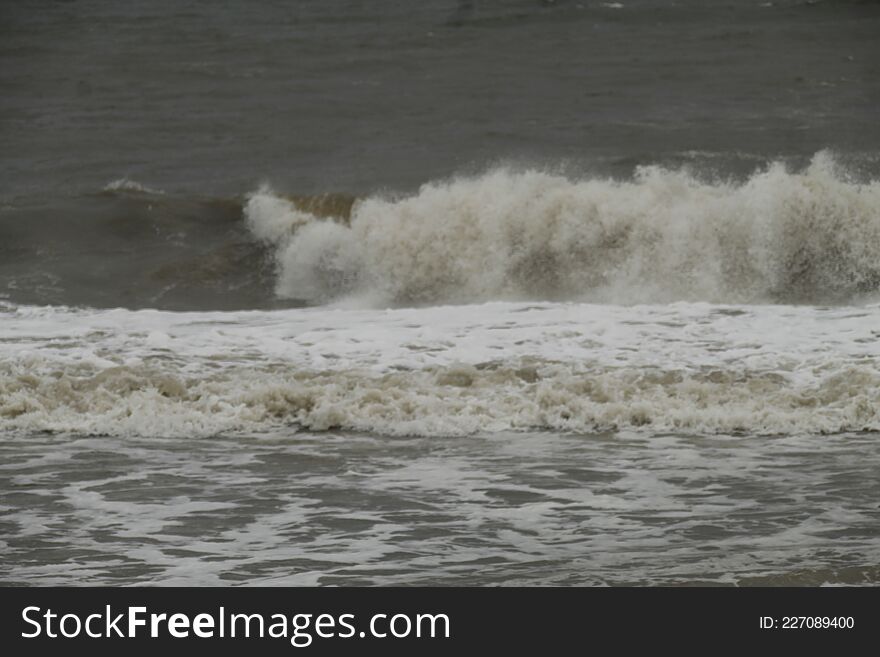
507, 509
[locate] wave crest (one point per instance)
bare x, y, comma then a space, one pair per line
665, 235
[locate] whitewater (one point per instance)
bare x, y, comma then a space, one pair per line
505, 301
781, 235
447, 370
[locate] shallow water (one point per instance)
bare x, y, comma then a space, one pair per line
509, 508
501, 443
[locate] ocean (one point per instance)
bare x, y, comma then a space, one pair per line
458, 292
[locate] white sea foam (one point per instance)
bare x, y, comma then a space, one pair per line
128, 185
442, 370
780, 236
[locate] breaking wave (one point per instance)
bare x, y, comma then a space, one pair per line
438, 371
458, 399
781, 236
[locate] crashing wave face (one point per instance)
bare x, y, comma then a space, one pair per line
811, 236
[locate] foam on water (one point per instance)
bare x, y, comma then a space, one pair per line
443, 370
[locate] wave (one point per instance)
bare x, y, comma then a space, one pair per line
440, 371
123, 185
780, 236
134, 246
458, 399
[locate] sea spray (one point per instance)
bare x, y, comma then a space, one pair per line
665, 235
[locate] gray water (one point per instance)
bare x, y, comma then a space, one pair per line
713, 160
505, 509
346, 95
